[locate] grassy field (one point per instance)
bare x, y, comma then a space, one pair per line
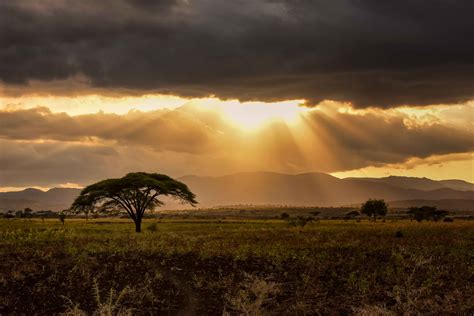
252, 267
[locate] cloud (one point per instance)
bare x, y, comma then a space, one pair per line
451, 166
45, 163
43, 148
180, 130
376, 138
368, 52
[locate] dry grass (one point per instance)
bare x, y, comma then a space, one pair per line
249, 267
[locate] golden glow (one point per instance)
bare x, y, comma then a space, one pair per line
452, 166
245, 115
249, 116
14, 189
65, 185
92, 103
228, 136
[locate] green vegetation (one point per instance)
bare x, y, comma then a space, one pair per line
253, 267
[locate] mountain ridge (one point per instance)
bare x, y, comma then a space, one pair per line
272, 188
422, 183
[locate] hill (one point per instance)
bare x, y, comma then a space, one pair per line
267, 188
263, 188
424, 184
55, 199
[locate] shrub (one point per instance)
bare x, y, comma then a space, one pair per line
62, 217
352, 214
426, 213
300, 221
254, 297
152, 228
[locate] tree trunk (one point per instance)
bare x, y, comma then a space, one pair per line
138, 226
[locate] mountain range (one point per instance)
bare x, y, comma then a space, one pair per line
268, 188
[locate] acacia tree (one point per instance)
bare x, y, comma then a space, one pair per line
134, 193
82, 206
374, 207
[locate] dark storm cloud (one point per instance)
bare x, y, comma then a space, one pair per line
381, 53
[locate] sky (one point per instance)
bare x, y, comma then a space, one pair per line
95, 89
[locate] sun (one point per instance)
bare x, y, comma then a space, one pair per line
250, 116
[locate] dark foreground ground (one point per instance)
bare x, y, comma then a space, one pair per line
251, 267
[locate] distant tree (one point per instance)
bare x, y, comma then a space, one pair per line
134, 193
82, 205
62, 217
28, 212
374, 208
9, 214
315, 213
300, 221
19, 213
427, 213
284, 215
352, 214
439, 214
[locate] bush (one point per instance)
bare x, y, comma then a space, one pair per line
427, 213
152, 228
352, 214
300, 221
284, 216
62, 217
448, 220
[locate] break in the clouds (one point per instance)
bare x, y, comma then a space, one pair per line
44, 148
368, 52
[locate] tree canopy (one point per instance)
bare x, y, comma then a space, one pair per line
426, 213
134, 193
374, 207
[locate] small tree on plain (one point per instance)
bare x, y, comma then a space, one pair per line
284, 215
83, 206
299, 221
134, 193
28, 212
62, 217
352, 214
374, 208
427, 213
